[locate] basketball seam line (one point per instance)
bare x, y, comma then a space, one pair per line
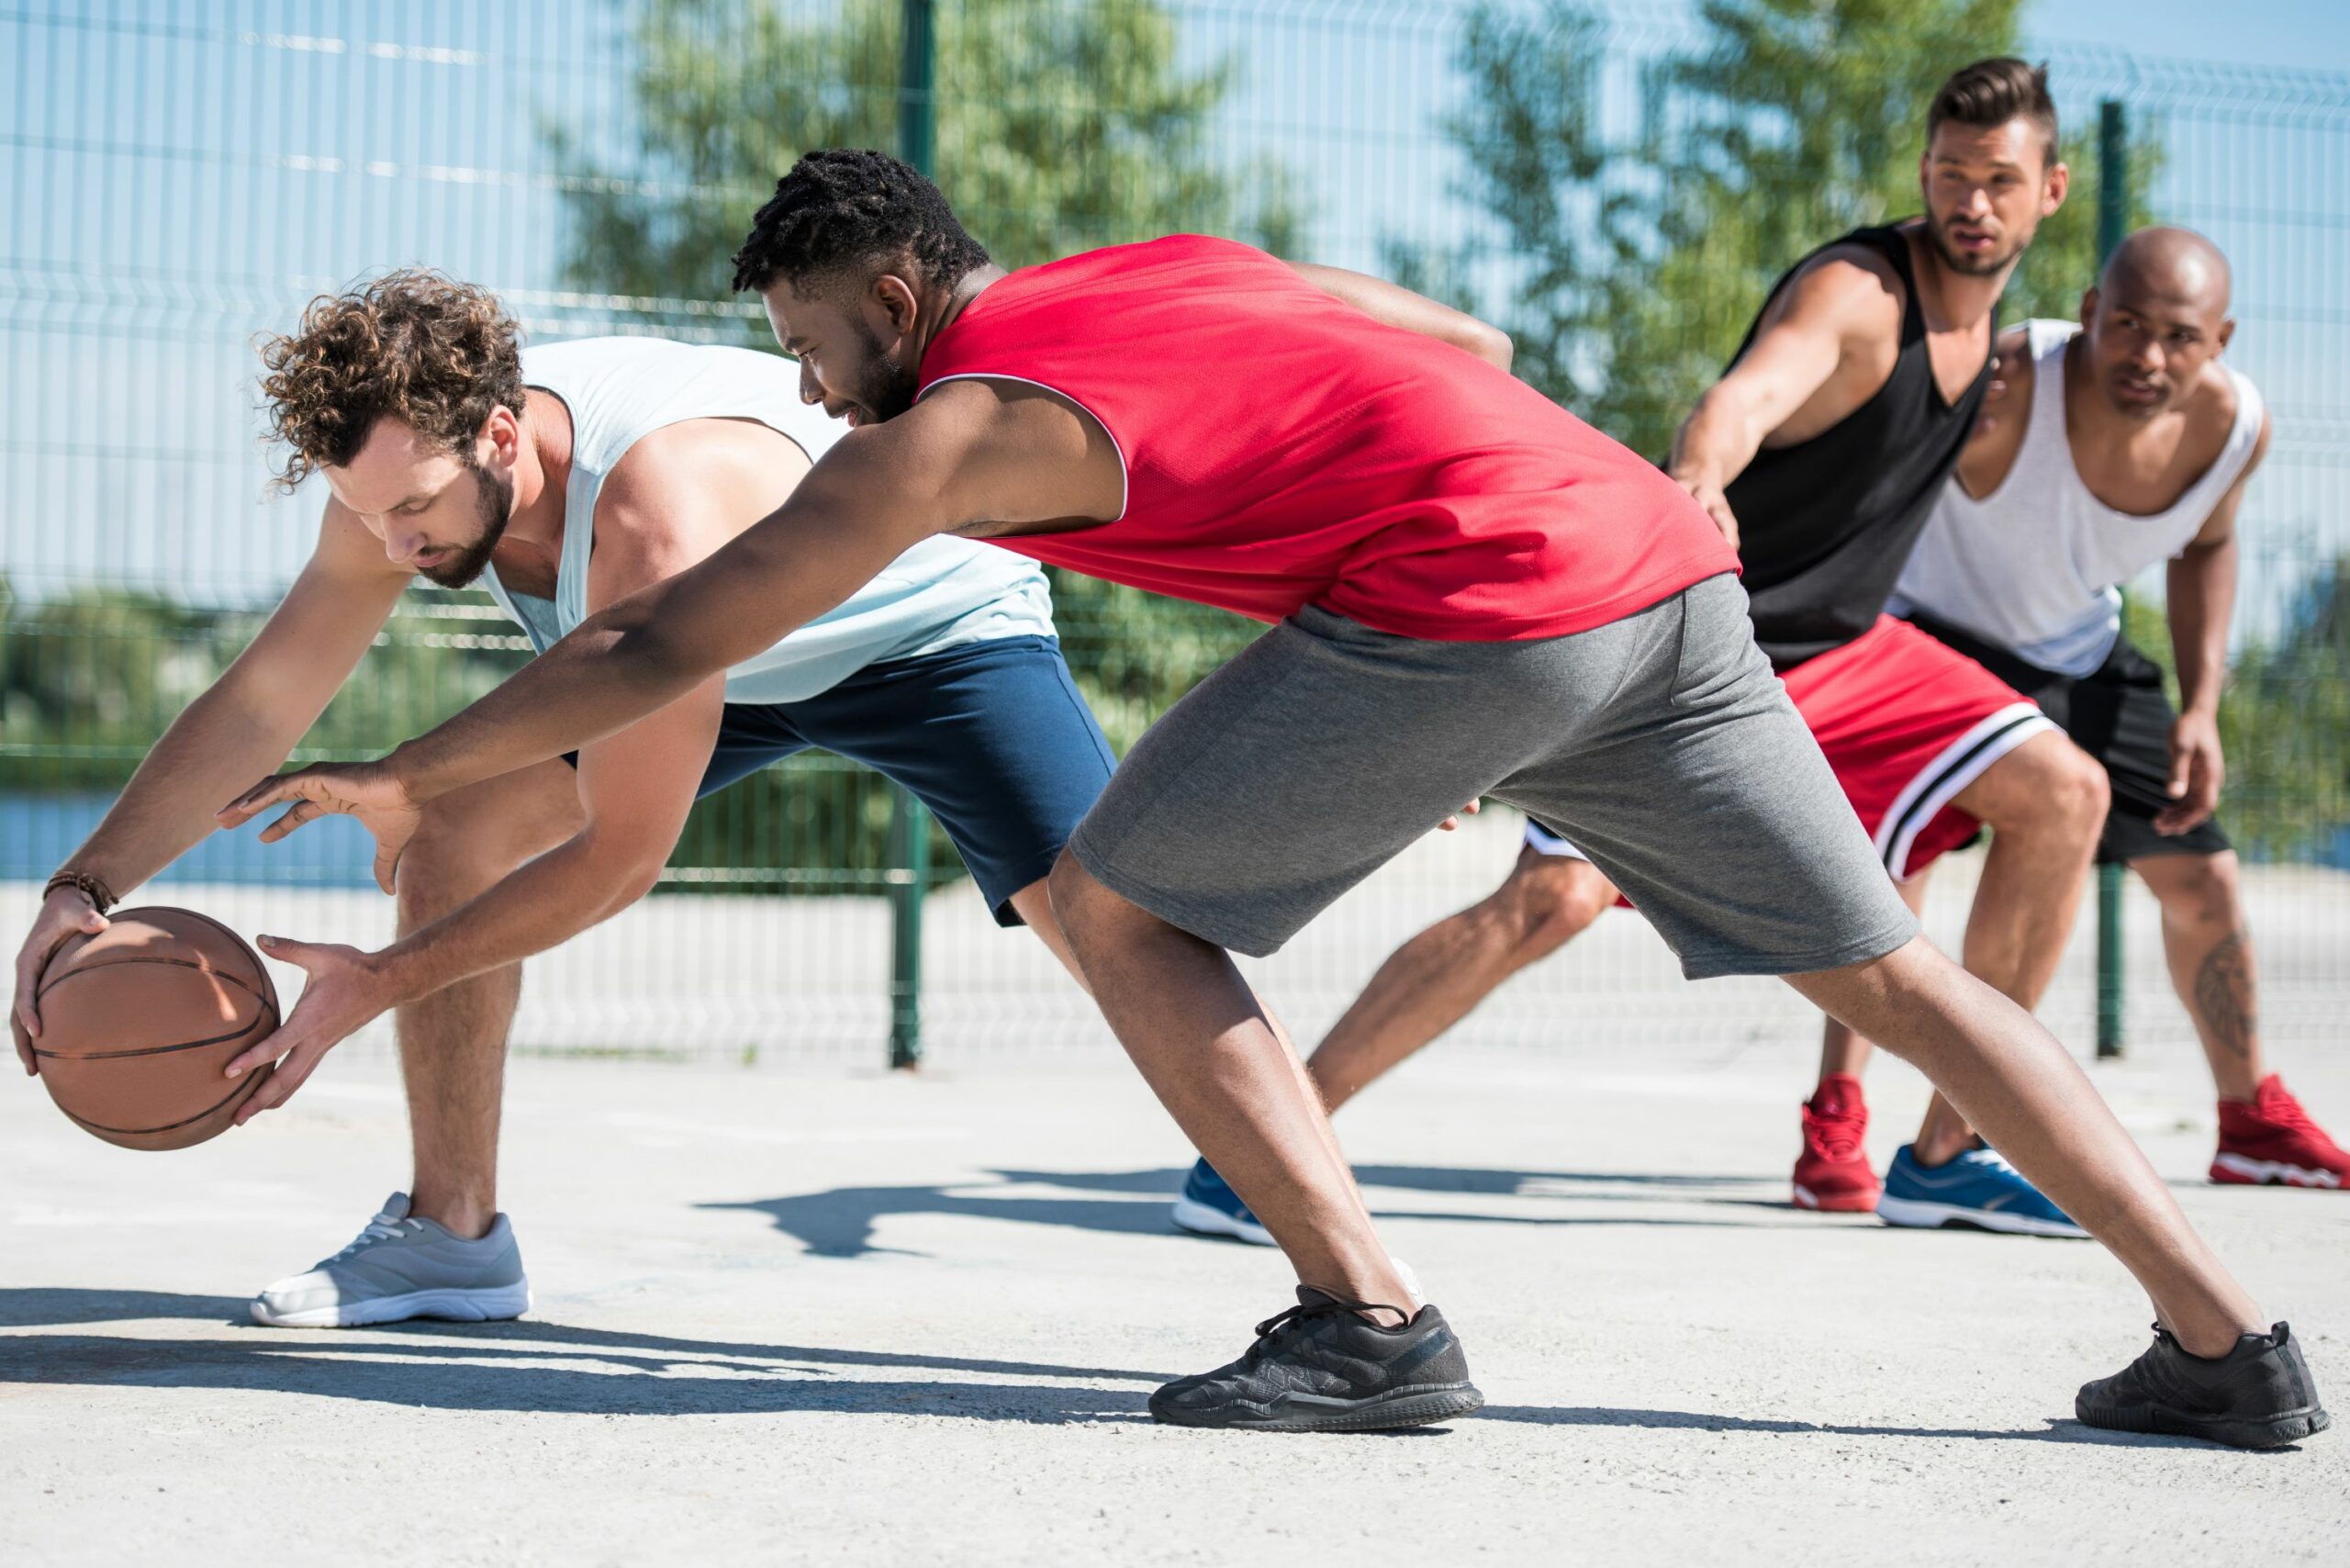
269, 986
245, 1088
156, 1050
267, 993
243, 985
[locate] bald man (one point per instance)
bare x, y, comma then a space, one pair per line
2106, 447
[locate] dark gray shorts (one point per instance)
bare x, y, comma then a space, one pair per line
1661, 744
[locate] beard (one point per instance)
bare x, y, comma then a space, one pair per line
885, 390
494, 504
1961, 262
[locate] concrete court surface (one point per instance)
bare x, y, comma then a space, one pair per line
834, 1319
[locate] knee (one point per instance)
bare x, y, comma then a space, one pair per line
1547, 904
2058, 789
2084, 793
452, 857
2203, 890
1082, 907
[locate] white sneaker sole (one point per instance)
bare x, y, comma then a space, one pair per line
1916, 1214
456, 1304
2274, 1172
1202, 1220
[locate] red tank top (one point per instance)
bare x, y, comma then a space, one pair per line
1283, 450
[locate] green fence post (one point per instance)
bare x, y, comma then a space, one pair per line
909, 873
2112, 218
917, 69
909, 879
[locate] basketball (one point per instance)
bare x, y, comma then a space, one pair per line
140, 1021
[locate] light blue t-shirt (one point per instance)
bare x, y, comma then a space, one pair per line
943, 593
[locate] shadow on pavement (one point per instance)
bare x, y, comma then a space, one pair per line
840, 1223
536, 1366
529, 1366
2059, 1432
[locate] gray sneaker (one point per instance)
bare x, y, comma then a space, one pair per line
402, 1267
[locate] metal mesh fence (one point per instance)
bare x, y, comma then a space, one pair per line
179, 179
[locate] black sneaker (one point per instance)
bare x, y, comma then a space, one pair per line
1322, 1367
2258, 1395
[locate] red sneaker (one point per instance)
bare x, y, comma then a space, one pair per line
2268, 1140
1832, 1174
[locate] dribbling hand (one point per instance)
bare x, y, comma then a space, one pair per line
370, 791
66, 912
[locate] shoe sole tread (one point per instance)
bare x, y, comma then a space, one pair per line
2276, 1431
1397, 1408
454, 1303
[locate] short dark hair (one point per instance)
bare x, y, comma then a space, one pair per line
1993, 92
412, 346
845, 209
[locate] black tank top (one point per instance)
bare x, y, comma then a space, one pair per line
1825, 526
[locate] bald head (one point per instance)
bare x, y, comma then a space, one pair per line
2155, 319
2174, 265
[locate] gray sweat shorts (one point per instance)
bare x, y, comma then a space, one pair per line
1661, 744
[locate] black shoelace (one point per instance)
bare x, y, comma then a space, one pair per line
1328, 1306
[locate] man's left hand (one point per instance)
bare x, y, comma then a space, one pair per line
2197, 770
347, 989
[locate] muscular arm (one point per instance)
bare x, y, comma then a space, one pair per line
2201, 592
972, 451
1832, 316
660, 513
249, 721
2201, 595
1397, 307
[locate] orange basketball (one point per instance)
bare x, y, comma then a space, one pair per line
138, 1021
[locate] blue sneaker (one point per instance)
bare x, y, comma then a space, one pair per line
1977, 1191
1208, 1208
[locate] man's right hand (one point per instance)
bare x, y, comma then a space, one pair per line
1708, 495
372, 791
66, 912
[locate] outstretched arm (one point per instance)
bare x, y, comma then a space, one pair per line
1394, 305
249, 720
971, 452
1803, 339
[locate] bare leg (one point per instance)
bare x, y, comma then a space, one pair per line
2210, 961
2010, 1078
1034, 905
1219, 1064
453, 1043
1841, 1050
2044, 803
1432, 981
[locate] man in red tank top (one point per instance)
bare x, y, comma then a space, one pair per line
1821, 452
1475, 594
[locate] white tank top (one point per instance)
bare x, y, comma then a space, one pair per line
943, 593
2034, 566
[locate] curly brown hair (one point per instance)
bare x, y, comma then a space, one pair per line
412, 346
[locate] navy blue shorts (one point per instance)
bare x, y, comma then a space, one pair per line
991, 736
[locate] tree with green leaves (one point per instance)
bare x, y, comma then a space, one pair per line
1637, 257
1059, 128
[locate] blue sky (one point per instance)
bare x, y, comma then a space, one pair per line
178, 179
2305, 34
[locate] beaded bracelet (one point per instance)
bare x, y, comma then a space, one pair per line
96, 891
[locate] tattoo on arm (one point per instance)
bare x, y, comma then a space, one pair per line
2224, 994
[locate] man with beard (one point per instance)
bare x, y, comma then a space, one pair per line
1474, 592
2107, 445
1819, 453
566, 478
